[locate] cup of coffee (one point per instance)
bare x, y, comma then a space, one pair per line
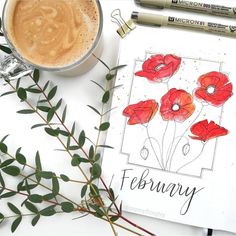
54, 35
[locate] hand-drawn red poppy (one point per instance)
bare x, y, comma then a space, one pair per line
205, 131
214, 89
141, 112
177, 105
159, 67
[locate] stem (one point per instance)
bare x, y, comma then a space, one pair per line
170, 150
137, 226
185, 133
194, 159
162, 146
150, 140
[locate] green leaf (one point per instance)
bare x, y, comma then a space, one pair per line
33, 90
15, 224
84, 190
106, 97
46, 86
64, 115
21, 158
67, 207
94, 109
58, 104
4, 138
118, 67
105, 146
50, 114
112, 194
94, 190
49, 196
26, 111
99, 212
96, 170
82, 138
52, 93
100, 86
104, 126
7, 163
31, 207
38, 162
68, 142
5, 49
27, 187
97, 157
63, 132
114, 218
7, 195
110, 77
65, 178
43, 108
51, 132
73, 129
2, 182
3, 148
13, 208
75, 161
49, 211
46, 174
73, 148
21, 93
103, 62
38, 125
55, 186
1, 218
36, 75
35, 220
7, 93
11, 170
18, 83
91, 153
35, 198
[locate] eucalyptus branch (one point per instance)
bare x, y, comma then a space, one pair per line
94, 189
46, 110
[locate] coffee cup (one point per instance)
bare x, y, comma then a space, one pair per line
63, 36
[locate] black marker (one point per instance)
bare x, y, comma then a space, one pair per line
206, 8
160, 20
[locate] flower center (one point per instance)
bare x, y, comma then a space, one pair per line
175, 107
159, 67
211, 89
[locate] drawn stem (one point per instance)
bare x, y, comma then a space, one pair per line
153, 149
194, 159
162, 145
181, 137
163, 137
171, 147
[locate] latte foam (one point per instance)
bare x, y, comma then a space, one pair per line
53, 33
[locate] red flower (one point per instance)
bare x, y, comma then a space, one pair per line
205, 131
214, 88
177, 105
159, 67
141, 112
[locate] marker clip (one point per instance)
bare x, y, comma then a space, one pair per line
124, 26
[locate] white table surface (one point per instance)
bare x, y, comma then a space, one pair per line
77, 93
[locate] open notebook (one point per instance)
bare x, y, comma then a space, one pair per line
174, 128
